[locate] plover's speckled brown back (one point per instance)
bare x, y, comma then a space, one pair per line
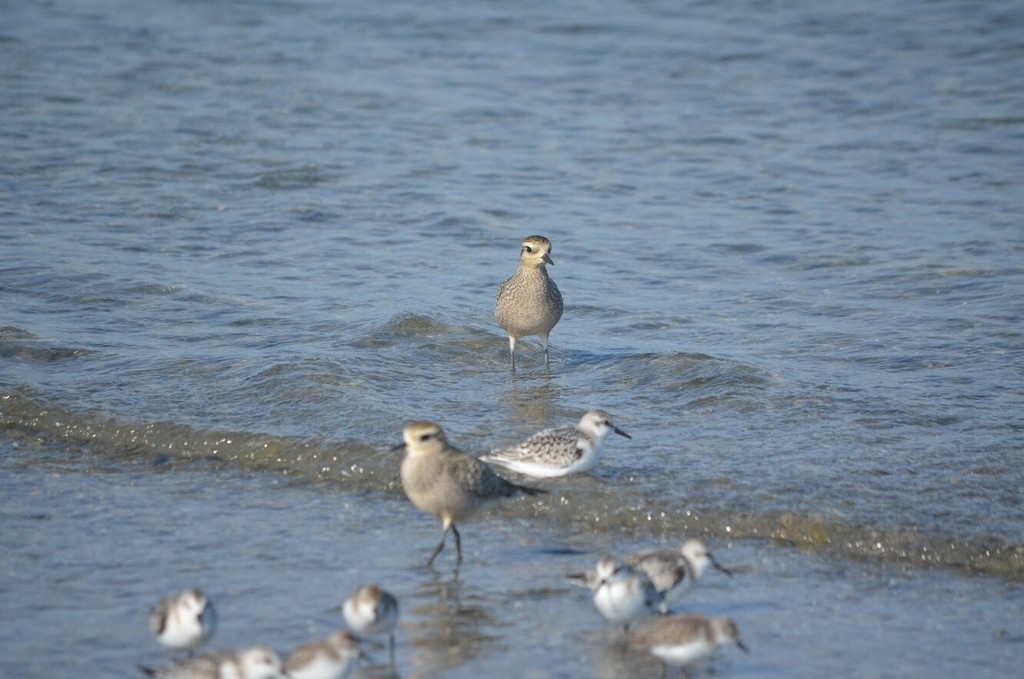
445, 482
684, 639
258, 662
529, 302
369, 610
674, 572
330, 658
184, 621
557, 452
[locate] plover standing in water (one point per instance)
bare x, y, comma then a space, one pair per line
183, 621
621, 594
258, 662
561, 451
674, 572
529, 302
371, 611
330, 658
684, 639
445, 482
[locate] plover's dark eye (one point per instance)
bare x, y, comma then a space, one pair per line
424, 437
528, 248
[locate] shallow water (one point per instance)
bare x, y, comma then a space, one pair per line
87, 545
240, 248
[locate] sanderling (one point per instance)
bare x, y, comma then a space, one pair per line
674, 572
330, 658
529, 302
372, 611
620, 593
258, 662
684, 639
557, 452
445, 482
183, 621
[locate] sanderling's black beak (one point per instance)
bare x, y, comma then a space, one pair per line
620, 432
719, 566
582, 579
742, 647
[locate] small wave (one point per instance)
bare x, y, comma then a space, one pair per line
411, 326
22, 345
424, 339
712, 380
619, 511
579, 505
290, 179
166, 445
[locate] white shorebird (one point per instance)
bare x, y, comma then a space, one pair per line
258, 662
675, 572
561, 451
371, 611
330, 658
684, 639
620, 593
183, 621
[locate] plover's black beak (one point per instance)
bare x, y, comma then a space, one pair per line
547, 258
400, 446
620, 432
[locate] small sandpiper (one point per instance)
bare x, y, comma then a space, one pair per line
183, 621
529, 302
258, 662
371, 611
674, 572
443, 481
561, 451
330, 658
684, 639
620, 593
